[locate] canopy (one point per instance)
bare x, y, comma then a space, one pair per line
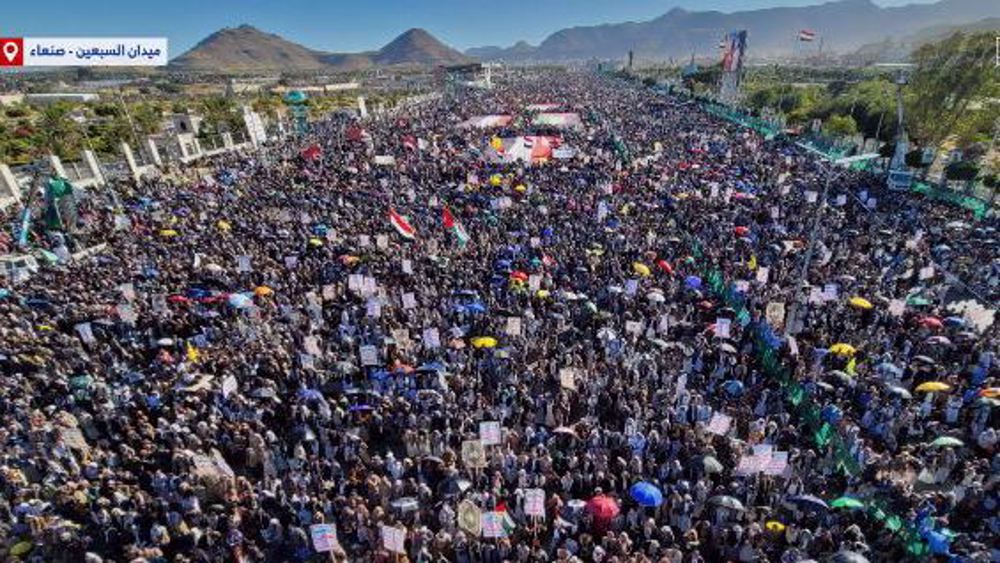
483, 342
646, 494
603, 507
933, 387
846, 502
641, 269
860, 303
843, 349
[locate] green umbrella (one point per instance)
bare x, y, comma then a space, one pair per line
918, 301
946, 442
846, 502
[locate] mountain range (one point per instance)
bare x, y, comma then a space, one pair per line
842, 25
248, 49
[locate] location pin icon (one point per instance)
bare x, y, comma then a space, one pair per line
10, 50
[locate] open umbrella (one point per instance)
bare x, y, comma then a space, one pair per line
727, 501
924, 360
931, 322
484, 342
692, 282
603, 507
946, 442
860, 303
843, 349
775, 526
938, 340
846, 502
655, 297
240, 301
899, 392
847, 557
990, 392
933, 387
888, 368
711, 465
646, 494
839, 376
641, 269
809, 501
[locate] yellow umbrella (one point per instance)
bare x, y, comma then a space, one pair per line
860, 303
933, 387
641, 269
263, 291
842, 349
168, 233
496, 180
21, 548
520, 188
775, 526
542, 294
223, 225
484, 342
315, 242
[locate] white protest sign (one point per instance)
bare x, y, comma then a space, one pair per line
810, 196
567, 378
431, 338
369, 355
229, 385
631, 287
324, 537
355, 282
762, 274
719, 424
407, 267
86, 333
722, 326
473, 454
633, 327
927, 272
489, 432
534, 282
493, 525
409, 301
382, 242
513, 327
373, 308
897, 307
534, 502
311, 345
128, 291
394, 539
364, 241
243, 264
830, 292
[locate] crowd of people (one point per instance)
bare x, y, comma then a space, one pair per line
259, 351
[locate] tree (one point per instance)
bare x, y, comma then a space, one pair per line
147, 118
840, 126
950, 75
57, 133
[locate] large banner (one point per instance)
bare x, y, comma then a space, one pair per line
735, 49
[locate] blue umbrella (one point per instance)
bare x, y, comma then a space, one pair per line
954, 321
733, 387
889, 368
646, 494
692, 282
310, 395
240, 301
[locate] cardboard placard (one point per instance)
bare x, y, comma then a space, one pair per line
369, 355
470, 518
394, 539
474, 454
513, 327
534, 502
489, 432
324, 537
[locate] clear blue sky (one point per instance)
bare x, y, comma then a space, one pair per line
339, 25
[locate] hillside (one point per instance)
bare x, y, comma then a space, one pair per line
247, 49
890, 50
842, 25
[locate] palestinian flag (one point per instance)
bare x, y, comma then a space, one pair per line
402, 226
454, 226
807, 35
508, 522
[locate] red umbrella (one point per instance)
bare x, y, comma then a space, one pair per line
178, 299
665, 266
931, 322
519, 275
741, 231
603, 508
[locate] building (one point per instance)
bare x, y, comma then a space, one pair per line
55, 97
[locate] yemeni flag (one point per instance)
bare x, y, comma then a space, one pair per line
402, 226
508, 522
807, 35
454, 226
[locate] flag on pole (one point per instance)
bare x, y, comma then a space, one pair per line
508, 522
807, 35
402, 226
454, 226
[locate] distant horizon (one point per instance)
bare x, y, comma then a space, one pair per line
343, 27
